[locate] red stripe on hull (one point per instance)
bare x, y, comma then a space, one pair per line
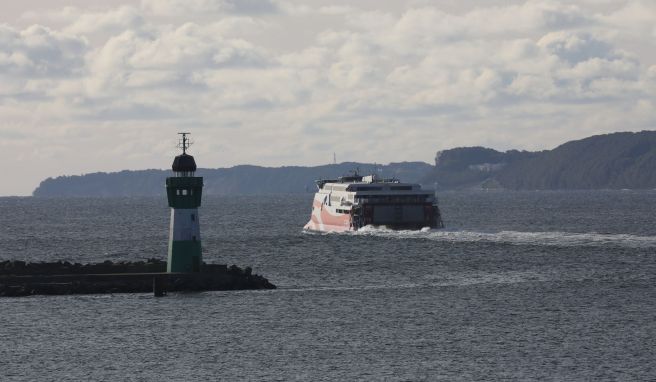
325, 221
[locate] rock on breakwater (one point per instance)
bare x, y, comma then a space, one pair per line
18, 278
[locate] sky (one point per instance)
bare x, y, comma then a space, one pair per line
89, 85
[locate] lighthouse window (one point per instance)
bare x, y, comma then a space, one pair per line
193, 217
184, 192
177, 192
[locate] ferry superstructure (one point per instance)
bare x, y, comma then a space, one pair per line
349, 203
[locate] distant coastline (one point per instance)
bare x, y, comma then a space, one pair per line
612, 161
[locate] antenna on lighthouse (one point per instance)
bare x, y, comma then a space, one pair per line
334, 158
184, 142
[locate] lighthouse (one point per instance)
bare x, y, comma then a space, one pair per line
184, 191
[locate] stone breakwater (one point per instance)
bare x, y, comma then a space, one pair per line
18, 278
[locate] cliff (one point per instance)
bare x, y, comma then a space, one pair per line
245, 180
611, 161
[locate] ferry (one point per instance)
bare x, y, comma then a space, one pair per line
349, 203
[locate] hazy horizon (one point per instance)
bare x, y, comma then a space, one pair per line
90, 86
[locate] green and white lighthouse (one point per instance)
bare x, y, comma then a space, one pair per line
184, 191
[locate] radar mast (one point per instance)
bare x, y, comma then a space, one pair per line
184, 142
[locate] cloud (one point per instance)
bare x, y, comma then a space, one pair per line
38, 51
111, 21
636, 15
576, 47
172, 60
176, 8
281, 81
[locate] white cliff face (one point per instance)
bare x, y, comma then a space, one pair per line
487, 167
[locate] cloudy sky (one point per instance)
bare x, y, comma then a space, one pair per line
89, 85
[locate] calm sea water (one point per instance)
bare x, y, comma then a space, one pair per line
520, 286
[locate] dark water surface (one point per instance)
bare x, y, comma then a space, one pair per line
520, 286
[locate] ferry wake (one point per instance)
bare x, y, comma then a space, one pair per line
349, 203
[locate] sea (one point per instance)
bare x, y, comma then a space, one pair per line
549, 286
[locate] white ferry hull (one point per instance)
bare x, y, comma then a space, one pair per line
327, 218
352, 202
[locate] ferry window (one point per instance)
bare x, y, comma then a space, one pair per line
368, 188
403, 188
